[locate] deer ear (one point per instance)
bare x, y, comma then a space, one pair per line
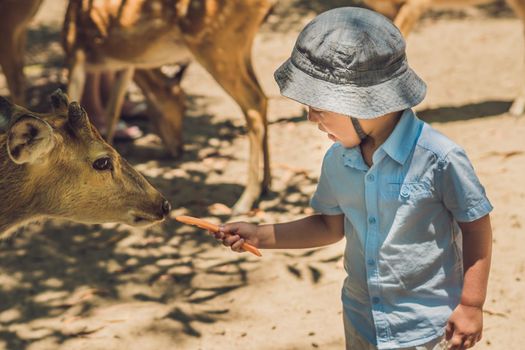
6, 110
29, 140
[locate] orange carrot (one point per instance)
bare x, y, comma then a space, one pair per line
190, 220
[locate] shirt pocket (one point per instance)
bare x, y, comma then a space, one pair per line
407, 192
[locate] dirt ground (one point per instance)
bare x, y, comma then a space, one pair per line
70, 286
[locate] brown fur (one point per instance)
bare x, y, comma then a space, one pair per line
140, 34
15, 16
48, 171
406, 13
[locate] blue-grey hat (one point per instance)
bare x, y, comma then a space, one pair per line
351, 61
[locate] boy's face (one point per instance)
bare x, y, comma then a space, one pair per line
338, 126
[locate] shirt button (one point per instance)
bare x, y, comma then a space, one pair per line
375, 300
371, 262
372, 220
404, 192
370, 178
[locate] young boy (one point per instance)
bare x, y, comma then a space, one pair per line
404, 196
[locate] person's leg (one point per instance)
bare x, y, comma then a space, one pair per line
439, 343
353, 340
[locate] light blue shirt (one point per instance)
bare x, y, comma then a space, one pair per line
403, 244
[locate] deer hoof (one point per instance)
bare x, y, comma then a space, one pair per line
244, 204
518, 107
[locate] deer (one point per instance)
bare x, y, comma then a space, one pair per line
406, 13
137, 37
14, 19
57, 165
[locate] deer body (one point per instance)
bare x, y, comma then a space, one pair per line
116, 36
406, 13
57, 165
138, 34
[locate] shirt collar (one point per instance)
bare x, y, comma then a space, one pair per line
397, 146
403, 138
352, 157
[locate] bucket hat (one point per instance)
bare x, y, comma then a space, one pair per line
351, 61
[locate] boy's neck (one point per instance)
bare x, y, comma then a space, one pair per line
379, 130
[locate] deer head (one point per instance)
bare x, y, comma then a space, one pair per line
57, 164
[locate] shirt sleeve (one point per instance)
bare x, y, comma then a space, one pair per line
323, 200
462, 192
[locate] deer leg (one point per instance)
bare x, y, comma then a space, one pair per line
13, 32
116, 99
409, 14
77, 76
518, 106
232, 69
267, 178
166, 106
12, 46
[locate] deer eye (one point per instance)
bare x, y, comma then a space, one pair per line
103, 164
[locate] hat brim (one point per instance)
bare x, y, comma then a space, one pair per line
366, 102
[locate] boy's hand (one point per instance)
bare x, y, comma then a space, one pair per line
464, 327
235, 234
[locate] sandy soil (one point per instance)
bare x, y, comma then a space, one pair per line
69, 286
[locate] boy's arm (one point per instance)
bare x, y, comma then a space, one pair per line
311, 231
477, 248
466, 322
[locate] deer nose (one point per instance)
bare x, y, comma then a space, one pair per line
166, 207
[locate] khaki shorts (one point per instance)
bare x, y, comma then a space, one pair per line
354, 341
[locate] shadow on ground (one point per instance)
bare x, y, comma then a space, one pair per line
470, 111
55, 272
